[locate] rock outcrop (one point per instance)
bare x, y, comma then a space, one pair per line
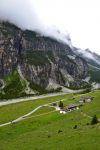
41, 59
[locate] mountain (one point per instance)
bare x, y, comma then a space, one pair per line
93, 61
34, 64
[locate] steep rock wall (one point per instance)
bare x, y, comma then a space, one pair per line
41, 59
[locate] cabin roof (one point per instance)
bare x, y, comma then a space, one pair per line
86, 97
73, 106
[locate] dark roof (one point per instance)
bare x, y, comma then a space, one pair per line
73, 106
66, 110
82, 98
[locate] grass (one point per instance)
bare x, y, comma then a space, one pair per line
11, 112
94, 108
42, 133
43, 110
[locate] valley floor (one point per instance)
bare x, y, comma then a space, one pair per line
44, 128
17, 100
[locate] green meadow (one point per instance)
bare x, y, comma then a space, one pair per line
13, 111
47, 129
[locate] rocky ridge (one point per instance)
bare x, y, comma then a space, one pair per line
43, 61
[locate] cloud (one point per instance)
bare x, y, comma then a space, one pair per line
24, 14
57, 18
88, 54
19, 12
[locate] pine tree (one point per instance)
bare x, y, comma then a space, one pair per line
94, 120
61, 104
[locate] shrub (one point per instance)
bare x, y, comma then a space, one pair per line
49, 136
59, 131
94, 120
75, 127
61, 104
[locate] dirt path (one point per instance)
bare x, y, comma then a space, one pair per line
28, 114
41, 114
13, 101
21, 117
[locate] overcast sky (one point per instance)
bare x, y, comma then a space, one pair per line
79, 18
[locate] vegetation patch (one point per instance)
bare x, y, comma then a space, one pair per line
43, 90
8, 28
53, 131
13, 111
36, 57
95, 74
13, 88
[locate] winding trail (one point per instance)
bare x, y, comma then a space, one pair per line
13, 101
28, 99
28, 114
21, 118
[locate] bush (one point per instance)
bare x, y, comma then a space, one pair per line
59, 131
87, 124
61, 104
75, 127
94, 120
49, 136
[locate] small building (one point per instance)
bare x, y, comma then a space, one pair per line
57, 108
74, 106
64, 111
70, 108
86, 99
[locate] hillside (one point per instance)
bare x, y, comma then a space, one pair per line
93, 61
41, 64
48, 129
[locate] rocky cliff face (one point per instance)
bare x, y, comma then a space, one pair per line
93, 61
43, 61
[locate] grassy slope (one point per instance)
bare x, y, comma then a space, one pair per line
42, 111
10, 112
41, 133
